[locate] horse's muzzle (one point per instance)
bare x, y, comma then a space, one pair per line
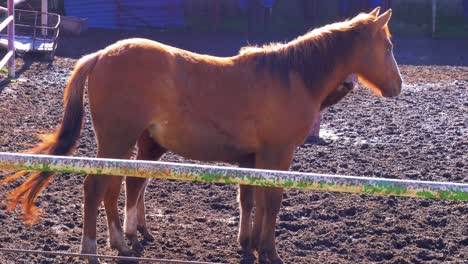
394, 90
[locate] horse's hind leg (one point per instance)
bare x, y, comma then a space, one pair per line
98, 188
116, 238
141, 217
135, 220
94, 187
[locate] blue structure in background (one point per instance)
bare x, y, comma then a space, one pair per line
243, 4
268, 3
344, 6
465, 8
126, 14
375, 3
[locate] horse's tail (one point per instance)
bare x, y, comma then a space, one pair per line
61, 142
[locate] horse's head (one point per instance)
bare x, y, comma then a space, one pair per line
377, 67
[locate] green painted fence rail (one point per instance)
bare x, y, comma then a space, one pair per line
233, 175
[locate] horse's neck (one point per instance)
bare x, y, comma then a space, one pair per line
332, 62
331, 82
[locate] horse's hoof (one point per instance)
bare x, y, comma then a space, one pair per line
127, 261
93, 261
254, 244
269, 258
146, 233
247, 256
128, 253
244, 242
137, 248
314, 140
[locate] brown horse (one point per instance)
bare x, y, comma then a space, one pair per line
253, 109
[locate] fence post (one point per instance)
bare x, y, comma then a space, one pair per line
11, 39
44, 14
434, 14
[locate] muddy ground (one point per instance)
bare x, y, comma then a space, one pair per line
420, 135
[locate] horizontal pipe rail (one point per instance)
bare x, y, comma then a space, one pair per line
233, 175
37, 27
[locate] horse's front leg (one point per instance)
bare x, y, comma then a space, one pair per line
246, 202
268, 202
272, 198
314, 133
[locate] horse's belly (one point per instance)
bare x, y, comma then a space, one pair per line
206, 144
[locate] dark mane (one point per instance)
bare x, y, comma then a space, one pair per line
313, 55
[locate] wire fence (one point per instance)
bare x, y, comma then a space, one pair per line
118, 258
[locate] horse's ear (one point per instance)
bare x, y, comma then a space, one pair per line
375, 12
382, 20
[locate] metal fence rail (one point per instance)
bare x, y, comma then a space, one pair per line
234, 175
118, 258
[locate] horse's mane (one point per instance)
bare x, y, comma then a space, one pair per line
313, 55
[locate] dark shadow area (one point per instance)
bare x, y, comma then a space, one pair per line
408, 50
25, 63
4, 83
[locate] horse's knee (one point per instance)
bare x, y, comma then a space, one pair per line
246, 197
134, 188
273, 198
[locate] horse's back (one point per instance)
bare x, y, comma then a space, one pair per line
199, 106
189, 102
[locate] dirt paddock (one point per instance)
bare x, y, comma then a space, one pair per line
420, 135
